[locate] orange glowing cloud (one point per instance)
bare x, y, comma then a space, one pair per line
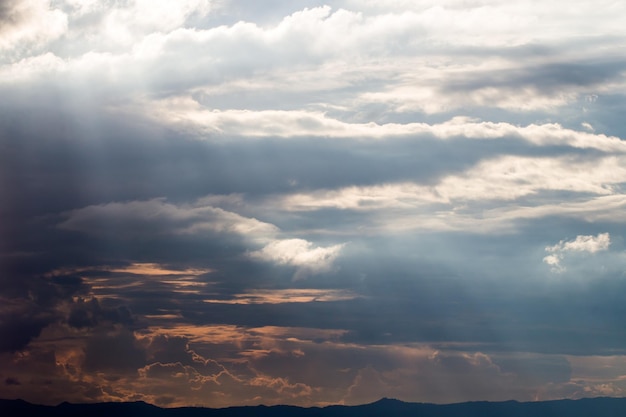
291, 295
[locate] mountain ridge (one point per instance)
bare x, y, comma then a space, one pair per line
598, 407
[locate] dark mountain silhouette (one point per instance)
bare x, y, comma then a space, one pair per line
596, 407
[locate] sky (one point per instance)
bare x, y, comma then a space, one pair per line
218, 202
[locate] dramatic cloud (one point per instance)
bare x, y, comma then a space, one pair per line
147, 217
215, 202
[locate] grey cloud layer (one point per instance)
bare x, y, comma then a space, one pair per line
212, 203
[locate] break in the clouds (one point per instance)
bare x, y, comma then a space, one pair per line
219, 203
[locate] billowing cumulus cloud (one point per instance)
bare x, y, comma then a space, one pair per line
28, 24
226, 202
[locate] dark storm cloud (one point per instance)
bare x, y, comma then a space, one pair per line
105, 212
130, 203
30, 299
119, 351
91, 313
420, 304
488, 297
157, 162
160, 163
16, 331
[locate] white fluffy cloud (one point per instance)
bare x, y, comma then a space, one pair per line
300, 253
116, 26
28, 24
398, 59
188, 113
582, 243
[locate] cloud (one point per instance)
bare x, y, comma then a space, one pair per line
118, 352
145, 218
155, 269
89, 313
18, 331
192, 116
145, 41
505, 179
157, 218
170, 172
136, 18
27, 24
493, 195
300, 253
589, 244
278, 296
